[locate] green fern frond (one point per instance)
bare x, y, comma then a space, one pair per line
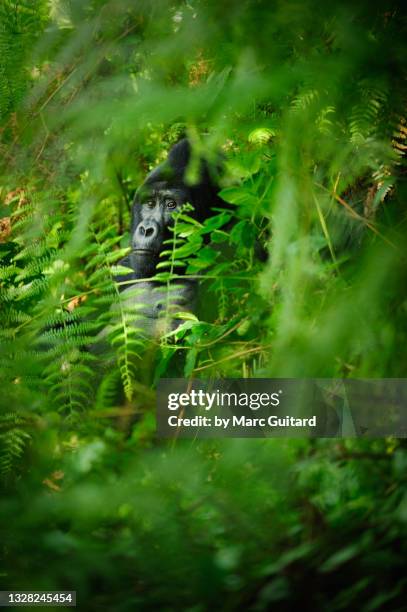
109, 390
13, 441
8, 272
33, 289
20, 24
365, 114
304, 100
35, 265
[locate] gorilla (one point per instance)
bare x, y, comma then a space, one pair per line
163, 193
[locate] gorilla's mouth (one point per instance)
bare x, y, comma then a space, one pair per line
143, 252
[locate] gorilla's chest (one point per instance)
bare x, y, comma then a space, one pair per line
156, 307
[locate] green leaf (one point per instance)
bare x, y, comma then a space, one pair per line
340, 557
216, 222
239, 196
244, 233
120, 270
190, 362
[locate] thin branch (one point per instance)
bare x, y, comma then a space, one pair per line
356, 215
257, 349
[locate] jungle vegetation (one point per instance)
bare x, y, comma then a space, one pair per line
306, 101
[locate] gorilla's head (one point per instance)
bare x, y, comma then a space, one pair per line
164, 192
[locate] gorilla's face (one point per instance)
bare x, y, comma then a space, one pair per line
153, 215
161, 195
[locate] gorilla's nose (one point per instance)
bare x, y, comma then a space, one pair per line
147, 236
148, 230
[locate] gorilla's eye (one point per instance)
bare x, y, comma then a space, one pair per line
149, 204
171, 204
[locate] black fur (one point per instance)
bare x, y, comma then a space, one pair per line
151, 216
163, 192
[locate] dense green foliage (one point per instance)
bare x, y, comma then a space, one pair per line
306, 101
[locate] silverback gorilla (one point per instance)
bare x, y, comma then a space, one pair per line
163, 192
